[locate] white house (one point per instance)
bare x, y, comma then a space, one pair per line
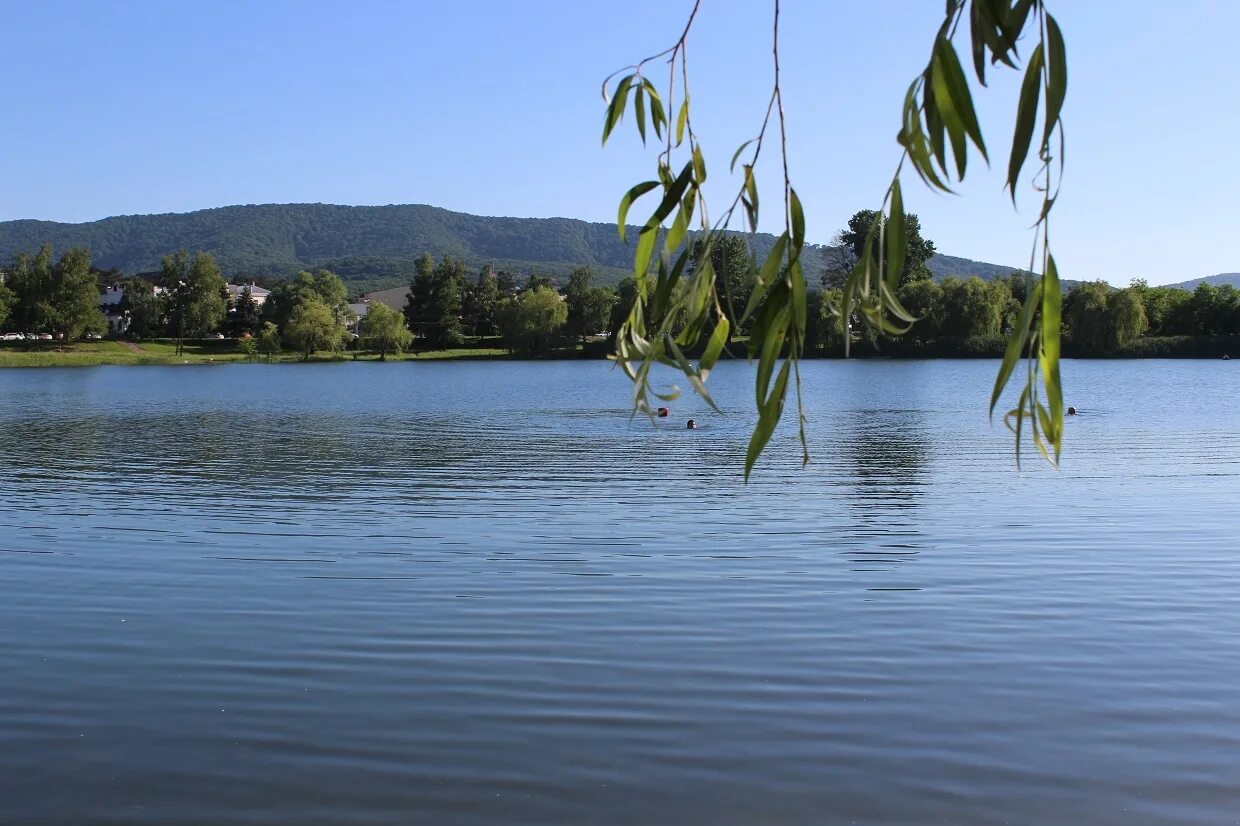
258, 293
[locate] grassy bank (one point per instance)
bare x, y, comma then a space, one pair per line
96, 353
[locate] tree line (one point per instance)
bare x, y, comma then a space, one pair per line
446, 306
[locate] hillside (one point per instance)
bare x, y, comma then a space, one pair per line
1232, 278
369, 246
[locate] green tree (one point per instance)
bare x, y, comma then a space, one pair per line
924, 299
589, 307
269, 340
537, 280
434, 304
313, 327
143, 308
384, 330
1127, 316
481, 301
1088, 317
75, 296
197, 302
322, 284
852, 242
531, 321
734, 272
6, 302
968, 309
245, 313
31, 282
60, 297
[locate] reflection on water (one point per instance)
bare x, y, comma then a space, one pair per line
481, 594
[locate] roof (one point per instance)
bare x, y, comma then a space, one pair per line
394, 297
255, 290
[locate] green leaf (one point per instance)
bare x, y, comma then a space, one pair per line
1026, 114
798, 220
682, 118
639, 109
645, 249
699, 166
768, 418
750, 197
627, 201
737, 153
615, 110
1016, 344
673, 195
958, 87
658, 117
1052, 308
1057, 71
718, 339
771, 266
796, 281
896, 240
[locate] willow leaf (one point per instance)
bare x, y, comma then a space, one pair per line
1026, 114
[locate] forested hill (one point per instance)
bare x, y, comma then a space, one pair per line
1232, 278
374, 246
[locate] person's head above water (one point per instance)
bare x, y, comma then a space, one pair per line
1071, 411
692, 425
663, 412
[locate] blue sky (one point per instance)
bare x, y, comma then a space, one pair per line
493, 107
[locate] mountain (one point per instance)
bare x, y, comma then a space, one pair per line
1232, 278
369, 246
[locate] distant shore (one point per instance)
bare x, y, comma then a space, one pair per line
228, 351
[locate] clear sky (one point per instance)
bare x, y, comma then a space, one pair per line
492, 107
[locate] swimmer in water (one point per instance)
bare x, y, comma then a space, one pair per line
1071, 411
692, 425
664, 412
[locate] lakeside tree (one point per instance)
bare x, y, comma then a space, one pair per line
851, 243
434, 302
531, 321
313, 326
197, 296
589, 307
322, 284
143, 309
268, 340
60, 297
732, 263
481, 301
384, 330
245, 313
6, 302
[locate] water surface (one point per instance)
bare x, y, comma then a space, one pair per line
479, 594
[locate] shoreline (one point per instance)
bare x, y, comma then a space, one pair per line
162, 353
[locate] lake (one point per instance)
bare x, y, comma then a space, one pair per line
478, 593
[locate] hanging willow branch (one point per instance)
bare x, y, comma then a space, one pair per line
677, 297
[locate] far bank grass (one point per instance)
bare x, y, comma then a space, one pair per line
163, 352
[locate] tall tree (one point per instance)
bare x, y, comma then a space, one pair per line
434, 303
384, 330
481, 301
313, 327
75, 296
60, 297
143, 309
851, 240
734, 273
245, 313
31, 282
197, 304
531, 321
589, 307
